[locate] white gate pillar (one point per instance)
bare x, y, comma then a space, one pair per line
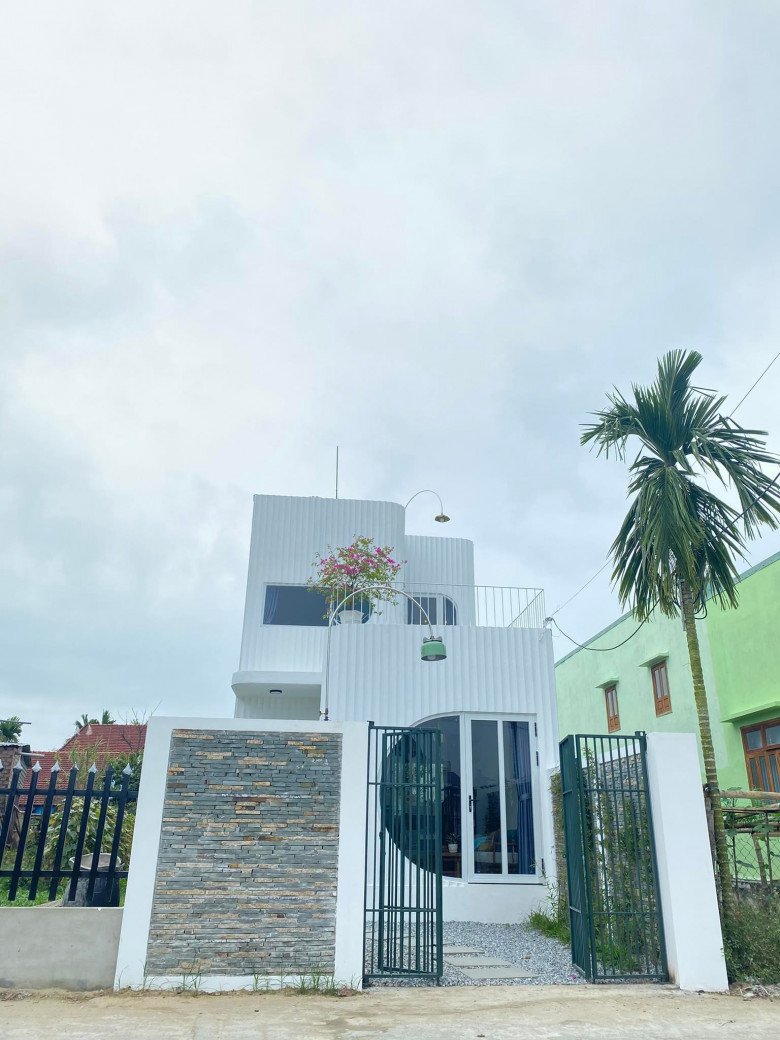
686, 880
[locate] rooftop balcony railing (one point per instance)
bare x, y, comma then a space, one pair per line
493, 606
444, 604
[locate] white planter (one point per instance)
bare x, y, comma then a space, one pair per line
350, 617
453, 848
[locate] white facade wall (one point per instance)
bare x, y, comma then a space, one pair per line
376, 672
286, 535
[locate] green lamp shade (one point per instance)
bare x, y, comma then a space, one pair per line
433, 650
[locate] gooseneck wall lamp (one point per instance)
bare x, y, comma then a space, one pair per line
441, 517
432, 649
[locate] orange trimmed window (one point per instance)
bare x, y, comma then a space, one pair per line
661, 696
613, 712
762, 755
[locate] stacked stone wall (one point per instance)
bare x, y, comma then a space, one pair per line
246, 874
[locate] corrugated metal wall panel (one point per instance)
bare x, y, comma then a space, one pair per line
287, 532
376, 673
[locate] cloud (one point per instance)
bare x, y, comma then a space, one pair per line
433, 234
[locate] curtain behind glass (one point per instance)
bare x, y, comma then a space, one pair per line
271, 604
519, 804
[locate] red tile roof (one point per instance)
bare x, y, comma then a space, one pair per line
106, 741
101, 741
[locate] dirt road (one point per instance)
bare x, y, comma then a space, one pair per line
492, 1013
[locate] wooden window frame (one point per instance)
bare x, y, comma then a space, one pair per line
659, 675
762, 764
613, 718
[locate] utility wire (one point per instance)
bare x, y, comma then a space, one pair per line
596, 649
752, 388
581, 589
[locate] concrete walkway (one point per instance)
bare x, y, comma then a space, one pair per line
495, 1013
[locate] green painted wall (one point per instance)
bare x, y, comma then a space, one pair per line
741, 659
745, 646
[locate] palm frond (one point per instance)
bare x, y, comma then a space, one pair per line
676, 529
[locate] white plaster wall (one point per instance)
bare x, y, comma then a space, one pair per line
694, 943
288, 706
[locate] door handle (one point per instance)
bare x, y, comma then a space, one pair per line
471, 802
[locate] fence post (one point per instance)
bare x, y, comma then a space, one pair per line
694, 943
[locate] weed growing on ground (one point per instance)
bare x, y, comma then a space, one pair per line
554, 920
751, 941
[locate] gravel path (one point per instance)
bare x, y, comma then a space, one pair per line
547, 959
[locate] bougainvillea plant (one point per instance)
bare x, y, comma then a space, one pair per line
361, 565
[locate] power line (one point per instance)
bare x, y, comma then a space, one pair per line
596, 649
758, 498
581, 589
752, 388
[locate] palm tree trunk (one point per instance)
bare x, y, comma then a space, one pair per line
727, 902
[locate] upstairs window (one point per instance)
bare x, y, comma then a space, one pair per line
440, 610
762, 755
294, 605
661, 696
613, 712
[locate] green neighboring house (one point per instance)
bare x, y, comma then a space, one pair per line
646, 683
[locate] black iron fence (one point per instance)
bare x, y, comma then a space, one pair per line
73, 839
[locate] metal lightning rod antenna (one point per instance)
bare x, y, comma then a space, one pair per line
337, 471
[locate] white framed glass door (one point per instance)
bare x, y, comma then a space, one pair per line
499, 829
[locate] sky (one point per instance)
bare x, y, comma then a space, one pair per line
436, 234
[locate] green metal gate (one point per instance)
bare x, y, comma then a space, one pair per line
614, 905
403, 870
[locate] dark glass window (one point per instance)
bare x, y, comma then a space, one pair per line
440, 610
452, 852
294, 605
762, 755
754, 740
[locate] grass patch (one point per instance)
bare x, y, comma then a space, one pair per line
552, 927
21, 893
752, 940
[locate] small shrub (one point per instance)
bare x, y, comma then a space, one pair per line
752, 940
553, 927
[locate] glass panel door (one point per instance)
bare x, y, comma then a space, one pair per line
499, 814
486, 815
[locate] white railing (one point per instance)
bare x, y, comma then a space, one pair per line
493, 606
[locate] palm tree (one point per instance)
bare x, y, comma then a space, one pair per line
106, 719
678, 543
10, 729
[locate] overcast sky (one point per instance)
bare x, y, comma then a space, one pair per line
234, 235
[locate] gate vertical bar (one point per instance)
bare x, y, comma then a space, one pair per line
611, 864
403, 933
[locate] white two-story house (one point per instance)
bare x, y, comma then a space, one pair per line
492, 698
